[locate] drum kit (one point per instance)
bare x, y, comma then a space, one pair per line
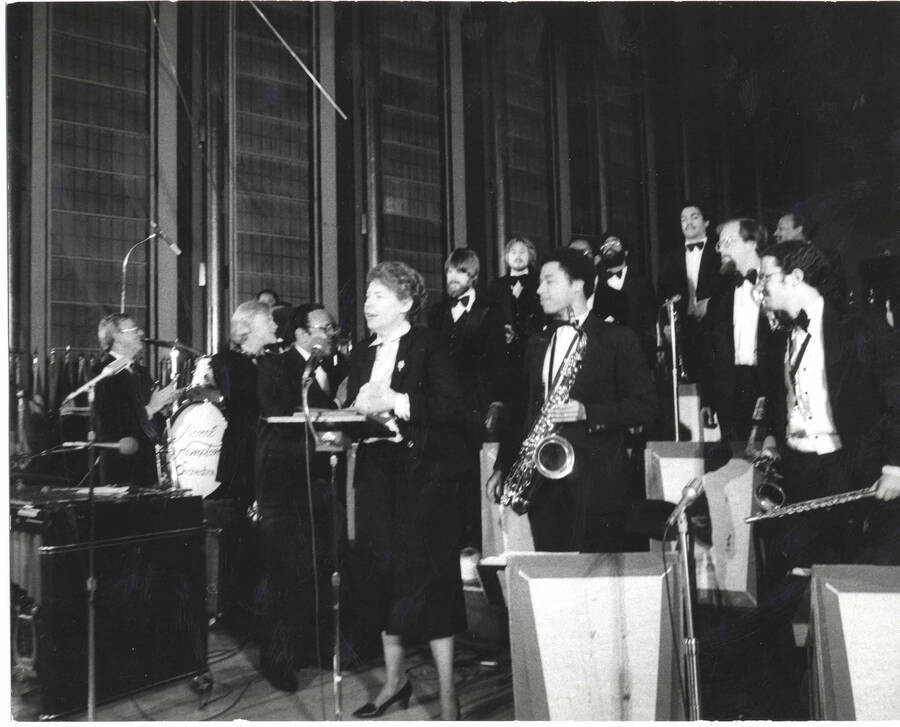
189, 457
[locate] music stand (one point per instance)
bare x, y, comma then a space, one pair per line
336, 430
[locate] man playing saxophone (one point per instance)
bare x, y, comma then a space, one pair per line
593, 400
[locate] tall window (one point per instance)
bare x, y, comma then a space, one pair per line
412, 139
527, 140
99, 165
272, 142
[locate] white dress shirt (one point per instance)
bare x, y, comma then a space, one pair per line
559, 345
385, 363
457, 309
810, 422
745, 321
692, 259
616, 282
318, 372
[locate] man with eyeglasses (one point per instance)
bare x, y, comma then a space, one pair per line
834, 386
737, 333
126, 405
290, 531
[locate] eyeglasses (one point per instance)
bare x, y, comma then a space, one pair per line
131, 329
328, 328
763, 279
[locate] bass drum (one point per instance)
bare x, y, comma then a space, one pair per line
195, 441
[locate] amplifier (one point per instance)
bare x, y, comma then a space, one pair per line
151, 625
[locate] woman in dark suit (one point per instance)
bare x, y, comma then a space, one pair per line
406, 484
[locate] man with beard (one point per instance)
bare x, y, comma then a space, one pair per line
623, 295
737, 333
475, 344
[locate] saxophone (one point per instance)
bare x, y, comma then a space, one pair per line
544, 450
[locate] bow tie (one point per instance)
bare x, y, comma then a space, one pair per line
739, 279
617, 274
691, 246
463, 301
801, 321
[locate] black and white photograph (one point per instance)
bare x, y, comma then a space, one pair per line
464, 361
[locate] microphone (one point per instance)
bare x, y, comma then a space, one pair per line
691, 492
315, 356
111, 369
162, 236
126, 445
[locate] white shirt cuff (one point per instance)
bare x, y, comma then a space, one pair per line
891, 469
401, 406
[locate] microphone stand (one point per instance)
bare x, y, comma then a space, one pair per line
690, 654
670, 306
149, 237
336, 678
91, 579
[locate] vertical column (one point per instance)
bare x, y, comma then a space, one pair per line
602, 151
326, 156
166, 163
498, 113
453, 111
560, 124
370, 29
40, 178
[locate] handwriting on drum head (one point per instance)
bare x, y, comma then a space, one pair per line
195, 444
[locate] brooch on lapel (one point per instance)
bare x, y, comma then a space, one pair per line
400, 365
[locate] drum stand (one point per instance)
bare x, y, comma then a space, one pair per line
689, 655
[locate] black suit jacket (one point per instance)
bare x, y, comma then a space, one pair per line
281, 454
862, 369
473, 348
434, 434
717, 382
614, 385
236, 377
633, 306
673, 275
119, 411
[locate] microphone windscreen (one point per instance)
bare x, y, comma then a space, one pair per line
128, 445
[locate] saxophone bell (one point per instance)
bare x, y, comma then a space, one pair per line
554, 457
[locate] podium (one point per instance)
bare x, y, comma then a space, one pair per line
591, 637
337, 430
726, 570
854, 645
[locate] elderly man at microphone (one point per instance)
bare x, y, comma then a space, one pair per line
126, 405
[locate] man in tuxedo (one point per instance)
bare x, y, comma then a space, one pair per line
834, 385
692, 272
291, 532
623, 295
476, 350
737, 333
126, 405
611, 391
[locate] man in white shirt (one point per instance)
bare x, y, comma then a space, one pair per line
833, 384
736, 333
612, 391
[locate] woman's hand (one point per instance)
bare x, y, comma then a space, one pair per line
375, 398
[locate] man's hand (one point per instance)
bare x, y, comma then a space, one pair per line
571, 411
888, 487
375, 398
509, 333
160, 399
770, 448
493, 488
708, 416
492, 418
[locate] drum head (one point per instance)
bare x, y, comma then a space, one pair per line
195, 441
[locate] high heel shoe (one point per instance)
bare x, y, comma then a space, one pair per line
370, 711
